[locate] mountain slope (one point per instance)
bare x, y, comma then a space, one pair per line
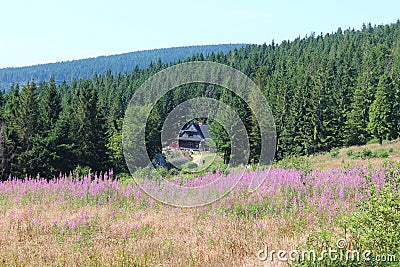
121, 63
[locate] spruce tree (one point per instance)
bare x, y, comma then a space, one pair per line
91, 136
382, 116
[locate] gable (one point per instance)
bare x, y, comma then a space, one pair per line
195, 132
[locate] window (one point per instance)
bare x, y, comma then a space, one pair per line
190, 144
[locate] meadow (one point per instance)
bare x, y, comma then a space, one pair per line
100, 221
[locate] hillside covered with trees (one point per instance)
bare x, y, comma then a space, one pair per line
121, 63
325, 91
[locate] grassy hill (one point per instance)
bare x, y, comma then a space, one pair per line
369, 154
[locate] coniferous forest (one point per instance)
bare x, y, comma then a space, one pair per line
121, 63
325, 91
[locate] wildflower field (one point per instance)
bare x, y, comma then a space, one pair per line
99, 221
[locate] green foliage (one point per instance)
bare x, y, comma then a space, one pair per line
149, 173
383, 117
86, 68
373, 141
124, 178
163, 172
316, 245
373, 227
251, 210
334, 153
324, 92
221, 139
349, 152
366, 153
189, 165
292, 162
381, 153
375, 224
80, 171
114, 146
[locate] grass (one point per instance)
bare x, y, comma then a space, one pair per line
347, 156
95, 222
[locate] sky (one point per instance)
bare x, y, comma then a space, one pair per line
43, 31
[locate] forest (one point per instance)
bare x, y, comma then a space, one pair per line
121, 63
325, 91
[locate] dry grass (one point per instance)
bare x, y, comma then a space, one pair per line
161, 236
44, 231
325, 161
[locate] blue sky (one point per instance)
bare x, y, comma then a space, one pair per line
43, 31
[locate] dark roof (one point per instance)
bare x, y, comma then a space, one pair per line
204, 129
200, 132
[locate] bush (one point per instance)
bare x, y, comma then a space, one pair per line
373, 141
334, 153
381, 153
298, 163
317, 242
366, 153
142, 174
373, 227
124, 178
163, 172
81, 171
349, 152
376, 222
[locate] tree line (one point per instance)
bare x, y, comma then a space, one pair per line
324, 91
121, 63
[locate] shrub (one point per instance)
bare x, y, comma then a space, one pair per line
292, 162
349, 152
163, 172
373, 227
366, 153
81, 171
373, 141
376, 222
146, 173
381, 153
334, 153
316, 244
124, 178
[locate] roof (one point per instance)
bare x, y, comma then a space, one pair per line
200, 132
204, 129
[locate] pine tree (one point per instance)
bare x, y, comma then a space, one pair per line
28, 123
91, 135
50, 106
382, 115
12, 138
